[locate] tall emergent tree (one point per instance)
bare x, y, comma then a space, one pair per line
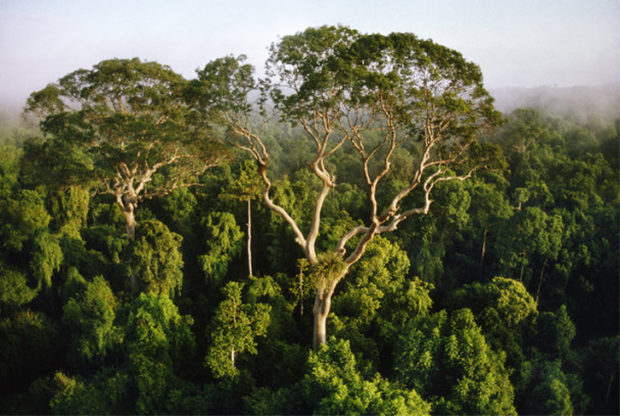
125, 127
372, 95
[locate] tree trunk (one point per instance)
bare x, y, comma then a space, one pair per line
521, 275
484, 247
250, 237
322, 305
320, 310
301, 294
542, 271
523, 255
130, 221
130, 228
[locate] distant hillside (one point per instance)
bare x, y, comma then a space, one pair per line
601, 103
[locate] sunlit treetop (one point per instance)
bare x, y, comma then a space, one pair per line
128, 125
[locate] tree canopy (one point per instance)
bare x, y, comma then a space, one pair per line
125, 126
368, 94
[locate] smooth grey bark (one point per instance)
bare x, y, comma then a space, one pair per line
540, 280
250, 237
130, 222
321, 308
322, 305
484, 249
128, 211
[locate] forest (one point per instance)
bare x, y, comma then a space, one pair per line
358, 230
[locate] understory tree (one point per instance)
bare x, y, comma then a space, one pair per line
373, 96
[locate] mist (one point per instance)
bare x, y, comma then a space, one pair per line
578, 103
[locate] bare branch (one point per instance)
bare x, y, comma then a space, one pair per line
299, 237
352, 233
359, 250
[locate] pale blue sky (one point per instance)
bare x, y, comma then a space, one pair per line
515, 42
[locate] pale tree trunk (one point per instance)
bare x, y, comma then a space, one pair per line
484, 248
542, 271
232, 348
524, 256
130, 222
323, 297
322, 304
300, 289
250, 237
130, 228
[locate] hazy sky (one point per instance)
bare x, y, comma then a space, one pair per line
515, 42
